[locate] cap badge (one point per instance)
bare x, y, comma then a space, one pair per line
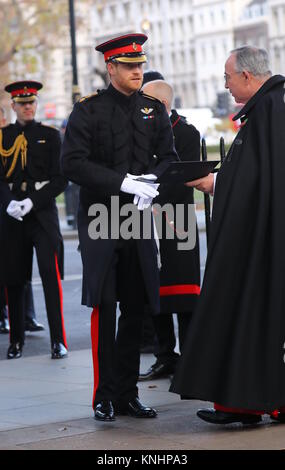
134, 46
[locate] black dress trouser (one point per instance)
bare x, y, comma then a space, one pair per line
165, 333
36, 236
3, 312
29, 303
116, 358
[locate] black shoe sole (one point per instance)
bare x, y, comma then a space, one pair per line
34, 330
127, 413
244, 420
105, 420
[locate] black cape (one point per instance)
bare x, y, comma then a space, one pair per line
234, 353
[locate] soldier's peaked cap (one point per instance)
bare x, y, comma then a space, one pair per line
25, 90
124, 49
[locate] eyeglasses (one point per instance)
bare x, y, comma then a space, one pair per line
227, 76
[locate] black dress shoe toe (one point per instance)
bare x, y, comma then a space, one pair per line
158, 370
33, 325
219, 417
58, 351
14, 351
104, 411
136, 409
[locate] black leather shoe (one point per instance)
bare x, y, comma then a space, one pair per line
220, 417
14, 351
136, 409
4, 327
33, 325
104, 411
158, 370
280, 417
58, 351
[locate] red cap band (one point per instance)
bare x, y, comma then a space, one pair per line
131, 48
24, 91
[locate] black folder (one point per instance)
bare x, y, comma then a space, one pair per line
181, 172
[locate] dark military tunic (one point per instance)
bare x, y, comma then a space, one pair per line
109, 135
180, 271
38, 179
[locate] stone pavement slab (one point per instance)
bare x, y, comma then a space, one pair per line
46, 404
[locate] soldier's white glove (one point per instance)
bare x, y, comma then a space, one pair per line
138, 188
14, 210
142, 203
26, 206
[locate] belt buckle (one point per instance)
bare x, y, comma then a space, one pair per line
24, 186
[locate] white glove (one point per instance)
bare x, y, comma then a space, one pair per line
14, 210
26, 206
138, 188
142, 203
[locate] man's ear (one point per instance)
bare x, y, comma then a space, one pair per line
111, 68
13, 106
247, 75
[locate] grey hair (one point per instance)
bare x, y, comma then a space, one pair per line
253, 59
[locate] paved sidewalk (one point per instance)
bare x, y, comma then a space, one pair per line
46, 404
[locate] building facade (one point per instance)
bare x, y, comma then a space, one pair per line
189, 41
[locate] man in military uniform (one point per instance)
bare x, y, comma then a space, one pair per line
30, 179
31, 324
180, 270
112, 138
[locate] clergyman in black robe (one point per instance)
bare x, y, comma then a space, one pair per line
234, 354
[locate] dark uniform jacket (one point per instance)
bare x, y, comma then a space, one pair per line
40, 179
107, 136
234, 354
180, 271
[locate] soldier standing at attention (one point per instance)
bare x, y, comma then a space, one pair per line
30, 179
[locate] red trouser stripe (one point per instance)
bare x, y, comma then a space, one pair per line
180, 289
227, 409
94, 343
61, 301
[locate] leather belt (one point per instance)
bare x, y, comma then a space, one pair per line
24, 186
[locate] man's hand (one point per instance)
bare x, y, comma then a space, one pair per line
206, 184
14, 210
26, 206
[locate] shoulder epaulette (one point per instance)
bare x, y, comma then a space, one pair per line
150, 97
50, 126
87, 97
